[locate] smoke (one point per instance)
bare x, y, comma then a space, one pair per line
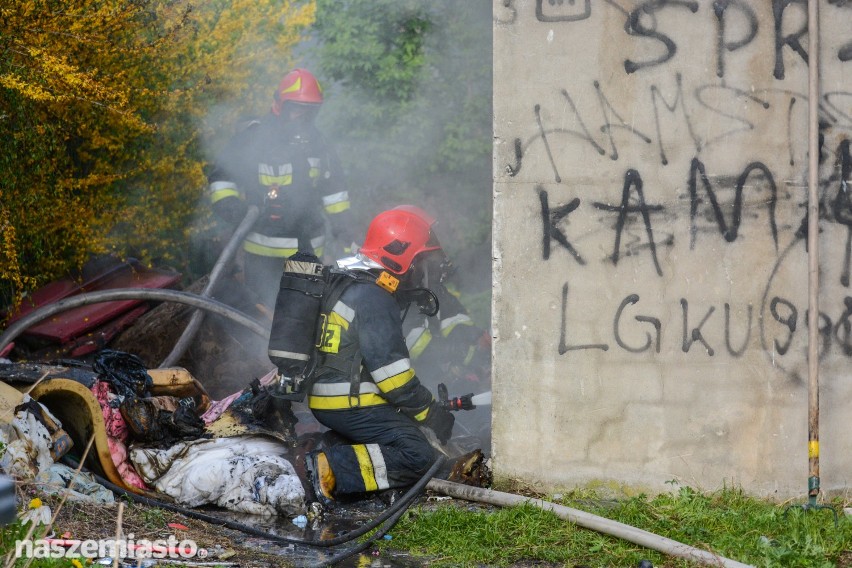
424, 139
416, 133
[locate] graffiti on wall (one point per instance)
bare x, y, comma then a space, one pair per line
676, 112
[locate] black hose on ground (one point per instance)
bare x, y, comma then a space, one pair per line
361, 547
390, 517
394, 512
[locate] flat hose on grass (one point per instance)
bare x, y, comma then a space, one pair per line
586, 520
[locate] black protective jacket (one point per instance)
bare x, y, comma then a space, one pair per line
365, 326
293, 176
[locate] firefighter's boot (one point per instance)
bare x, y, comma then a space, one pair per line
321, 477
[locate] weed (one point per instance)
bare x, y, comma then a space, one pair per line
727, 522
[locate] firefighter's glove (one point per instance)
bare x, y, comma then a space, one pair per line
440, 421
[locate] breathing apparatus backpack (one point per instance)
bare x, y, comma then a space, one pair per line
307, 291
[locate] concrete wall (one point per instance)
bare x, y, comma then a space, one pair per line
650, 180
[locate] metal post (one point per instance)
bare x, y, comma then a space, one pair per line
813, 263
813, 251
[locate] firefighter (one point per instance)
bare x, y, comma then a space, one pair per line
282, 164
366, 389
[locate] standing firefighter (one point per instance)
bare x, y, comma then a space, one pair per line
365, 388
282, 164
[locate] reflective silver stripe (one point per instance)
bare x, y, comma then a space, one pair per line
456, 319
287, 355
220, 185
283, 169
318, 242
358, 262
338, 389
314, 169
413, 336
344, 311
273, 242
388, 371
380, 470
308, 268
335, 198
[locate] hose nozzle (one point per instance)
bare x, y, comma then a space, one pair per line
464, 402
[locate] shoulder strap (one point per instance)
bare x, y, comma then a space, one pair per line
341, 279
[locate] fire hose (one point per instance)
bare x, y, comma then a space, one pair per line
218, 269
164, 295
384, 521
392, 514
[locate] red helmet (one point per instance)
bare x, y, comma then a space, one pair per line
299, 86
396, 236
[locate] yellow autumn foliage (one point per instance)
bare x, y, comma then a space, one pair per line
105, 109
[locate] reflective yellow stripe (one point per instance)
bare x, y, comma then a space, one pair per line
338, 197
421, 416
344, 311
335, 318
262, 245
342, 402
366, 466
470, 353
449, 324
269, 175
314, 169
338, 207
268, 180
262, 250
451, 288
223, 193
396, 381
421, 344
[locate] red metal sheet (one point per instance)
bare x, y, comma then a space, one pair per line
65, 287
66, 326
99, 338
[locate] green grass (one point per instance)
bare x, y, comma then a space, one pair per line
727, 522
18, 531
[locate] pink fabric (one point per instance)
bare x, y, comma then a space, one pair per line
115, 426
118, 451
217, 407
117, 434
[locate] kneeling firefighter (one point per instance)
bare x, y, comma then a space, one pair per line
364, 387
